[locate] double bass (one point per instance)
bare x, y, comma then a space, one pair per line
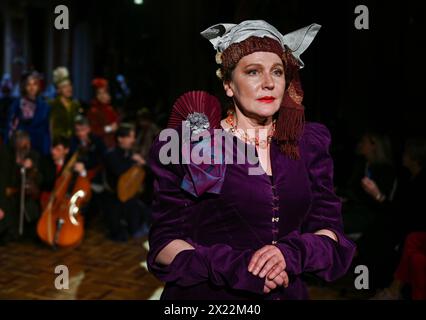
61, 223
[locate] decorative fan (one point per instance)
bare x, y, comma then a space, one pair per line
201, 109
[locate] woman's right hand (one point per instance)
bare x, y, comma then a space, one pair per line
372, 189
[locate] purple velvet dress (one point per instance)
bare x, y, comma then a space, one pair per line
227, 214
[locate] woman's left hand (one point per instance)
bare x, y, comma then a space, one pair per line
268, 260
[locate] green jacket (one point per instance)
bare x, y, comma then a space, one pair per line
62, 119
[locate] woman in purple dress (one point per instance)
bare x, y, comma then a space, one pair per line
237, 228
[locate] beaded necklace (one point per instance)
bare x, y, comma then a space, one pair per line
230, 119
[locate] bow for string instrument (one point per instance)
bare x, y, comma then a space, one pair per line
22, 201
61, 223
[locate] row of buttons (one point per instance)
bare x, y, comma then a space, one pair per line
275, 213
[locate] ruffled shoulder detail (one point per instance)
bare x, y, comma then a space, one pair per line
199, 169
205, 168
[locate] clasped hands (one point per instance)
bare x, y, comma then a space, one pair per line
269, 263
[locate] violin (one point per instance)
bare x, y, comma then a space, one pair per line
61, 223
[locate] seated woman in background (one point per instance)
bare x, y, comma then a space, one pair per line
376, 166
403, 214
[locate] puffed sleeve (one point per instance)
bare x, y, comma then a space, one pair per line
171, 215
303, 250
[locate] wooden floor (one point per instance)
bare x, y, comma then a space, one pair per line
98, 269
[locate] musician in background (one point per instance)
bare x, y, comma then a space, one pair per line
146, 132
53, 165
91, 154
19, 154
124, 219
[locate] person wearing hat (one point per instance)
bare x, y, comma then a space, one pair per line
30, 113
64, 108
231, 230
102, 116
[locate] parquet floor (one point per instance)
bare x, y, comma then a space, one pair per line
98, 269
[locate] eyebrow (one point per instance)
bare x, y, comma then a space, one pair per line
260, 65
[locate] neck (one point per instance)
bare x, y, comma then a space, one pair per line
59, 162
64, 99
256, 123
84, 141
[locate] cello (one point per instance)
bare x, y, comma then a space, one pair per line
61, 223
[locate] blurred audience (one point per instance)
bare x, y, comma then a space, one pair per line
373, 180
124, 219
402, 214
64, 108
30, 113
19, 161
103, 118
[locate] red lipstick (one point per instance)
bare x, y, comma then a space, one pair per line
266, 99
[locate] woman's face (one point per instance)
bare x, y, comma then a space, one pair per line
103, 96
32, 87
65, 90
257, 84
366, 147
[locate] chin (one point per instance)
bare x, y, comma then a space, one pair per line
265, 110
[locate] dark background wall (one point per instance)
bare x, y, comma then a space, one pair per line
353, 79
